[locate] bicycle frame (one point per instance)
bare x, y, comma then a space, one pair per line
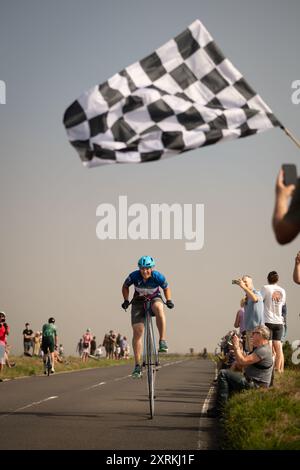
48, 363
150, 355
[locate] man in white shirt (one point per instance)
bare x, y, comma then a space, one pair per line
274, 298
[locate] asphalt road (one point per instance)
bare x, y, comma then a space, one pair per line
107, 409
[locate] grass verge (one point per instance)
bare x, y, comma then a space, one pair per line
265, 419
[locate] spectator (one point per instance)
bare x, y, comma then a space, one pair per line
37, 344
93, 346
106, 345
99, 351
123, 344
4, 332
61, 351
240, 321
258, 369
112, 345
253, 308
286, 220
79, 347
27, 340
296, 273
274, 298
86, 338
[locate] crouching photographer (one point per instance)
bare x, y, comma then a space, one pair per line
257, 366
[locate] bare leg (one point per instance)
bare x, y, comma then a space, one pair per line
158, 310
138, 329
279, 360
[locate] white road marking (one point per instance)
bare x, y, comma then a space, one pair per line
35, 403
96, 385
30, 405
203, 444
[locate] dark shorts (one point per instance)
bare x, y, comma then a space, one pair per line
276, 331
47, 342
138, 312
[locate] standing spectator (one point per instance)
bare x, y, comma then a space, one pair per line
37, 344
4, 332
106, 345
240, 321
123, 344
79, 347
27, 340
112, 344
254, 309
93, 346
274, 298
87, 338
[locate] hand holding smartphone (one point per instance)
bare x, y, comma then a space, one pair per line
289, 174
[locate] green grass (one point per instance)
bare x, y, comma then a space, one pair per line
265, 419
28, 366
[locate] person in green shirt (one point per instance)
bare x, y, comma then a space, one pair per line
49, 341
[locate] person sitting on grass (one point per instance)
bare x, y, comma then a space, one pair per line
258, 368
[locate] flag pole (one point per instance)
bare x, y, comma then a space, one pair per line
290, 135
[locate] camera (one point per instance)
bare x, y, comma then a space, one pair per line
229, 337
235, 281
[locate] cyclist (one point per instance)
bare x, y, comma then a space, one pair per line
146, 282
49, 341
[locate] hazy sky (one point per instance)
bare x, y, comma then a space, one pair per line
51, 260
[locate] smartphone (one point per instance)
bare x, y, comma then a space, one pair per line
235, 281
289, 174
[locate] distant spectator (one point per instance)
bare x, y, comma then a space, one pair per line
4, 332
112, 344
99, 351
86, 338
61, 351
37, 343
58, 357
93, 346
124, 345
79, 347
106, 345
27, 340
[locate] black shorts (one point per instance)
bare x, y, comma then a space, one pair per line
47, 342
276, 330
138, 311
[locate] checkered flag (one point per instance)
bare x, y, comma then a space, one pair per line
183, 96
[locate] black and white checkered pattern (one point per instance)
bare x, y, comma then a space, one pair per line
183, 96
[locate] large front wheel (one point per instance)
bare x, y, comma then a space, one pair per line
151, 368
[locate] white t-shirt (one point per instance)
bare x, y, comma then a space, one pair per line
274, 298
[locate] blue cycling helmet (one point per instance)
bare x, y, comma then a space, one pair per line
146, 262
